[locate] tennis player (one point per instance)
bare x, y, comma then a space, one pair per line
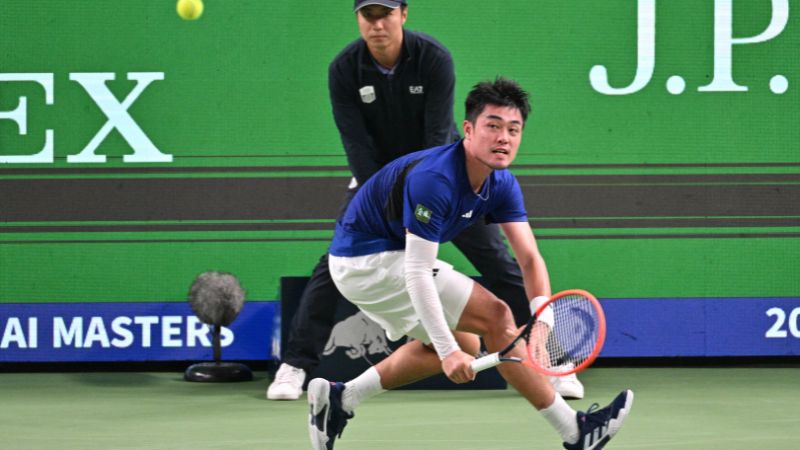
383, 258
392, 92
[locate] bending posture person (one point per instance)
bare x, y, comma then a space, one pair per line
392, 93
383, 258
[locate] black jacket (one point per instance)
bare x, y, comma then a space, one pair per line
381, 117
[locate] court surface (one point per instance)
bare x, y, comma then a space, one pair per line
675, 408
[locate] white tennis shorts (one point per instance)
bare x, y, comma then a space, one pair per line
376, 284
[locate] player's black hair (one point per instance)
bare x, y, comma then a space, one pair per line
500, 92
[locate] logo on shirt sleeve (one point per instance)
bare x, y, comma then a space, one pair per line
422, 213
367, 94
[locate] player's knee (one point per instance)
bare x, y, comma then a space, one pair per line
499, 318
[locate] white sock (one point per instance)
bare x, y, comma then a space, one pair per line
563, 418
366, 385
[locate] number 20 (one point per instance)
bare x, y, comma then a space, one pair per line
777, 330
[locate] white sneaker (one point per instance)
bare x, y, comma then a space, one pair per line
288, 383
568, 386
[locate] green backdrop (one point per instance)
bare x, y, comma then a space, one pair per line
701, 189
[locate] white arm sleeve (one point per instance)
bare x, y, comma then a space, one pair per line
420, 257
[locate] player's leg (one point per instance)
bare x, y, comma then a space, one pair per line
416, 361
490, 318
411, 362
486, 315
311, 327
482, 244
332, 403
376, 285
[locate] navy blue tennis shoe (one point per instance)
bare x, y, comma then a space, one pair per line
597, 426
326, 418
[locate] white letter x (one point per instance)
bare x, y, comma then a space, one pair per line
118, 117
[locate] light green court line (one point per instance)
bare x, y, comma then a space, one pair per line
335, 158
183, 175
289, 235
645, 232
341, 171
534, 219
183, 158
655, 218
87, 223
676, 183
518, 171
347, 174
210, 236
83, 223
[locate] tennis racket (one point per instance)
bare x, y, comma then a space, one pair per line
576, 338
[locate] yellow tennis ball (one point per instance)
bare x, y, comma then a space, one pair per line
190, 9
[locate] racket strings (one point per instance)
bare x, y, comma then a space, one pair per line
574, 335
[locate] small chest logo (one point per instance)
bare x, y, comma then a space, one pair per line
415, 90
367, 94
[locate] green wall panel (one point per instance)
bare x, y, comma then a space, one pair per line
244, 96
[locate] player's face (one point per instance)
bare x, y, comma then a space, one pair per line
495, 136
381, 27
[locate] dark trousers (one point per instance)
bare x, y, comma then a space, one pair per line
482, 245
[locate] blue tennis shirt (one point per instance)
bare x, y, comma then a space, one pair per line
428, 193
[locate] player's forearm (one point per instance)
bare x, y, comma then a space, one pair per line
531, 263
420, 256
535, 276
537, 286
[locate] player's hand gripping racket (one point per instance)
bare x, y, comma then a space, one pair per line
571, 345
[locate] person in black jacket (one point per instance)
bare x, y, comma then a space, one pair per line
392, 92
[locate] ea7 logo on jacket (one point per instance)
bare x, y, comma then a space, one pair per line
415, 90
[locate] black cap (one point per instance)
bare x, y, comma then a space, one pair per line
387, 3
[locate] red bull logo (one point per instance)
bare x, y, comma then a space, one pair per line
359, 336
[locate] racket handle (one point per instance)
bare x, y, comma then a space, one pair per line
485, 362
